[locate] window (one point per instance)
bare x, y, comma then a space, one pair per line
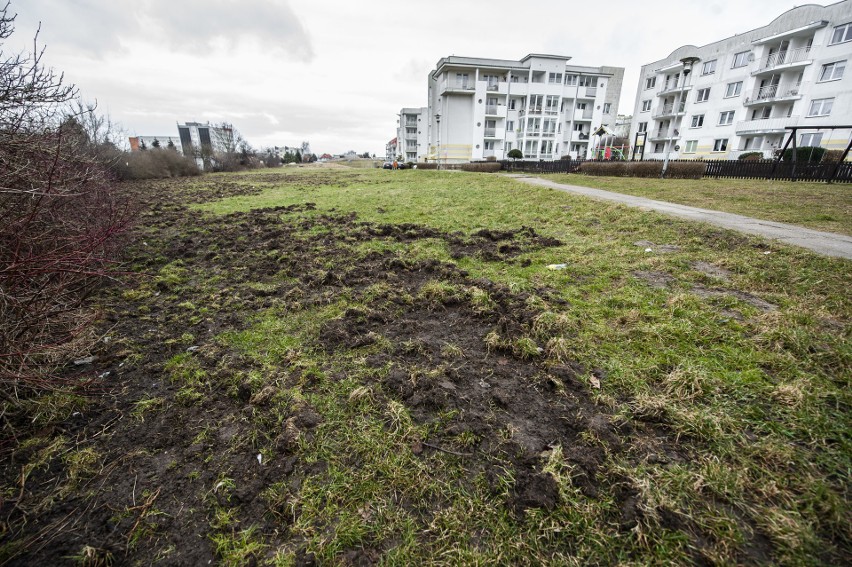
761, 113
570, 80
488, 145
821, 107
535, 103
814, 139
587, 81
697, 121
832, 71
555, 78
741, 59
708, 68
643, 126
581, 106
733, 89
551, 103
690, 146
578, 127
646, 105
650, 82
720, 145
658, 147
842, 33
726, 118
606, 108
510, 125
549, 126
703, 95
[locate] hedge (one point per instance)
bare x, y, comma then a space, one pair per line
805, 154
482, 167
676, 169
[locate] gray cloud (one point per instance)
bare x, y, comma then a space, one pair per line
101, 27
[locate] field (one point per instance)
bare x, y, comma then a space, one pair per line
814, 205
329, 366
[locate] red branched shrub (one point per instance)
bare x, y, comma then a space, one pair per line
59, 223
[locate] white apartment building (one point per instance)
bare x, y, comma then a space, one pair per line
738, 94
542, 105
412, 134
201, 141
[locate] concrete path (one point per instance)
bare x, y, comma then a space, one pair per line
826, 243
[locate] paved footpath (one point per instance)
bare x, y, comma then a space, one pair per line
826, 243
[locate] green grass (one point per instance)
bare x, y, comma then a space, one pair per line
813, 205
758, 400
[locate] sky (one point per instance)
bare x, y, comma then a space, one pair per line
334, 73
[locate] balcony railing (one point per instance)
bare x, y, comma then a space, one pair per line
786, 57
669, 89
548, 133
491, 108
492, 87
583, 136
583, 114
766, 125
773, 92
668, 110
459, 86
591, 92
490, 132
488, 153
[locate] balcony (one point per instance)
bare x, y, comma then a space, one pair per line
461, 87
664, 134
548, 133
669, 110
766, 125
783, 60
773, 93
667, 90
492, 109
492, 87
587, 92
490, 133
488, 153
583, 136
581, 114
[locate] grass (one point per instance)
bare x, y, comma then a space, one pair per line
723, 394
813, 205
758, 399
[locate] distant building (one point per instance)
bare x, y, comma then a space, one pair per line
202, 141
412, 134
543, 105
391, 149
740, 93
147, 142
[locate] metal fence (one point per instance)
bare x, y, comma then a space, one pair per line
728, 169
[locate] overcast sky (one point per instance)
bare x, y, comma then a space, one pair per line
336, 73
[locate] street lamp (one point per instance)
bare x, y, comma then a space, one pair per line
687, 62
438, 120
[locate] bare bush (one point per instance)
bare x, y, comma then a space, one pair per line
59, 222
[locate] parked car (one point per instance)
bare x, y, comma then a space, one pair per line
389, 165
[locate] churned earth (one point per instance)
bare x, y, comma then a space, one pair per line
297, 384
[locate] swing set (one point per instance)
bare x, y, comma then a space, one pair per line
791, 140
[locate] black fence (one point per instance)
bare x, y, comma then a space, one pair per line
733, 169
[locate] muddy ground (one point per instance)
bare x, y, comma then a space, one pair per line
235, 266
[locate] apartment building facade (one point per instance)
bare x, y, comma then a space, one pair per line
201, 141
542, 105
412, 134
739, 94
